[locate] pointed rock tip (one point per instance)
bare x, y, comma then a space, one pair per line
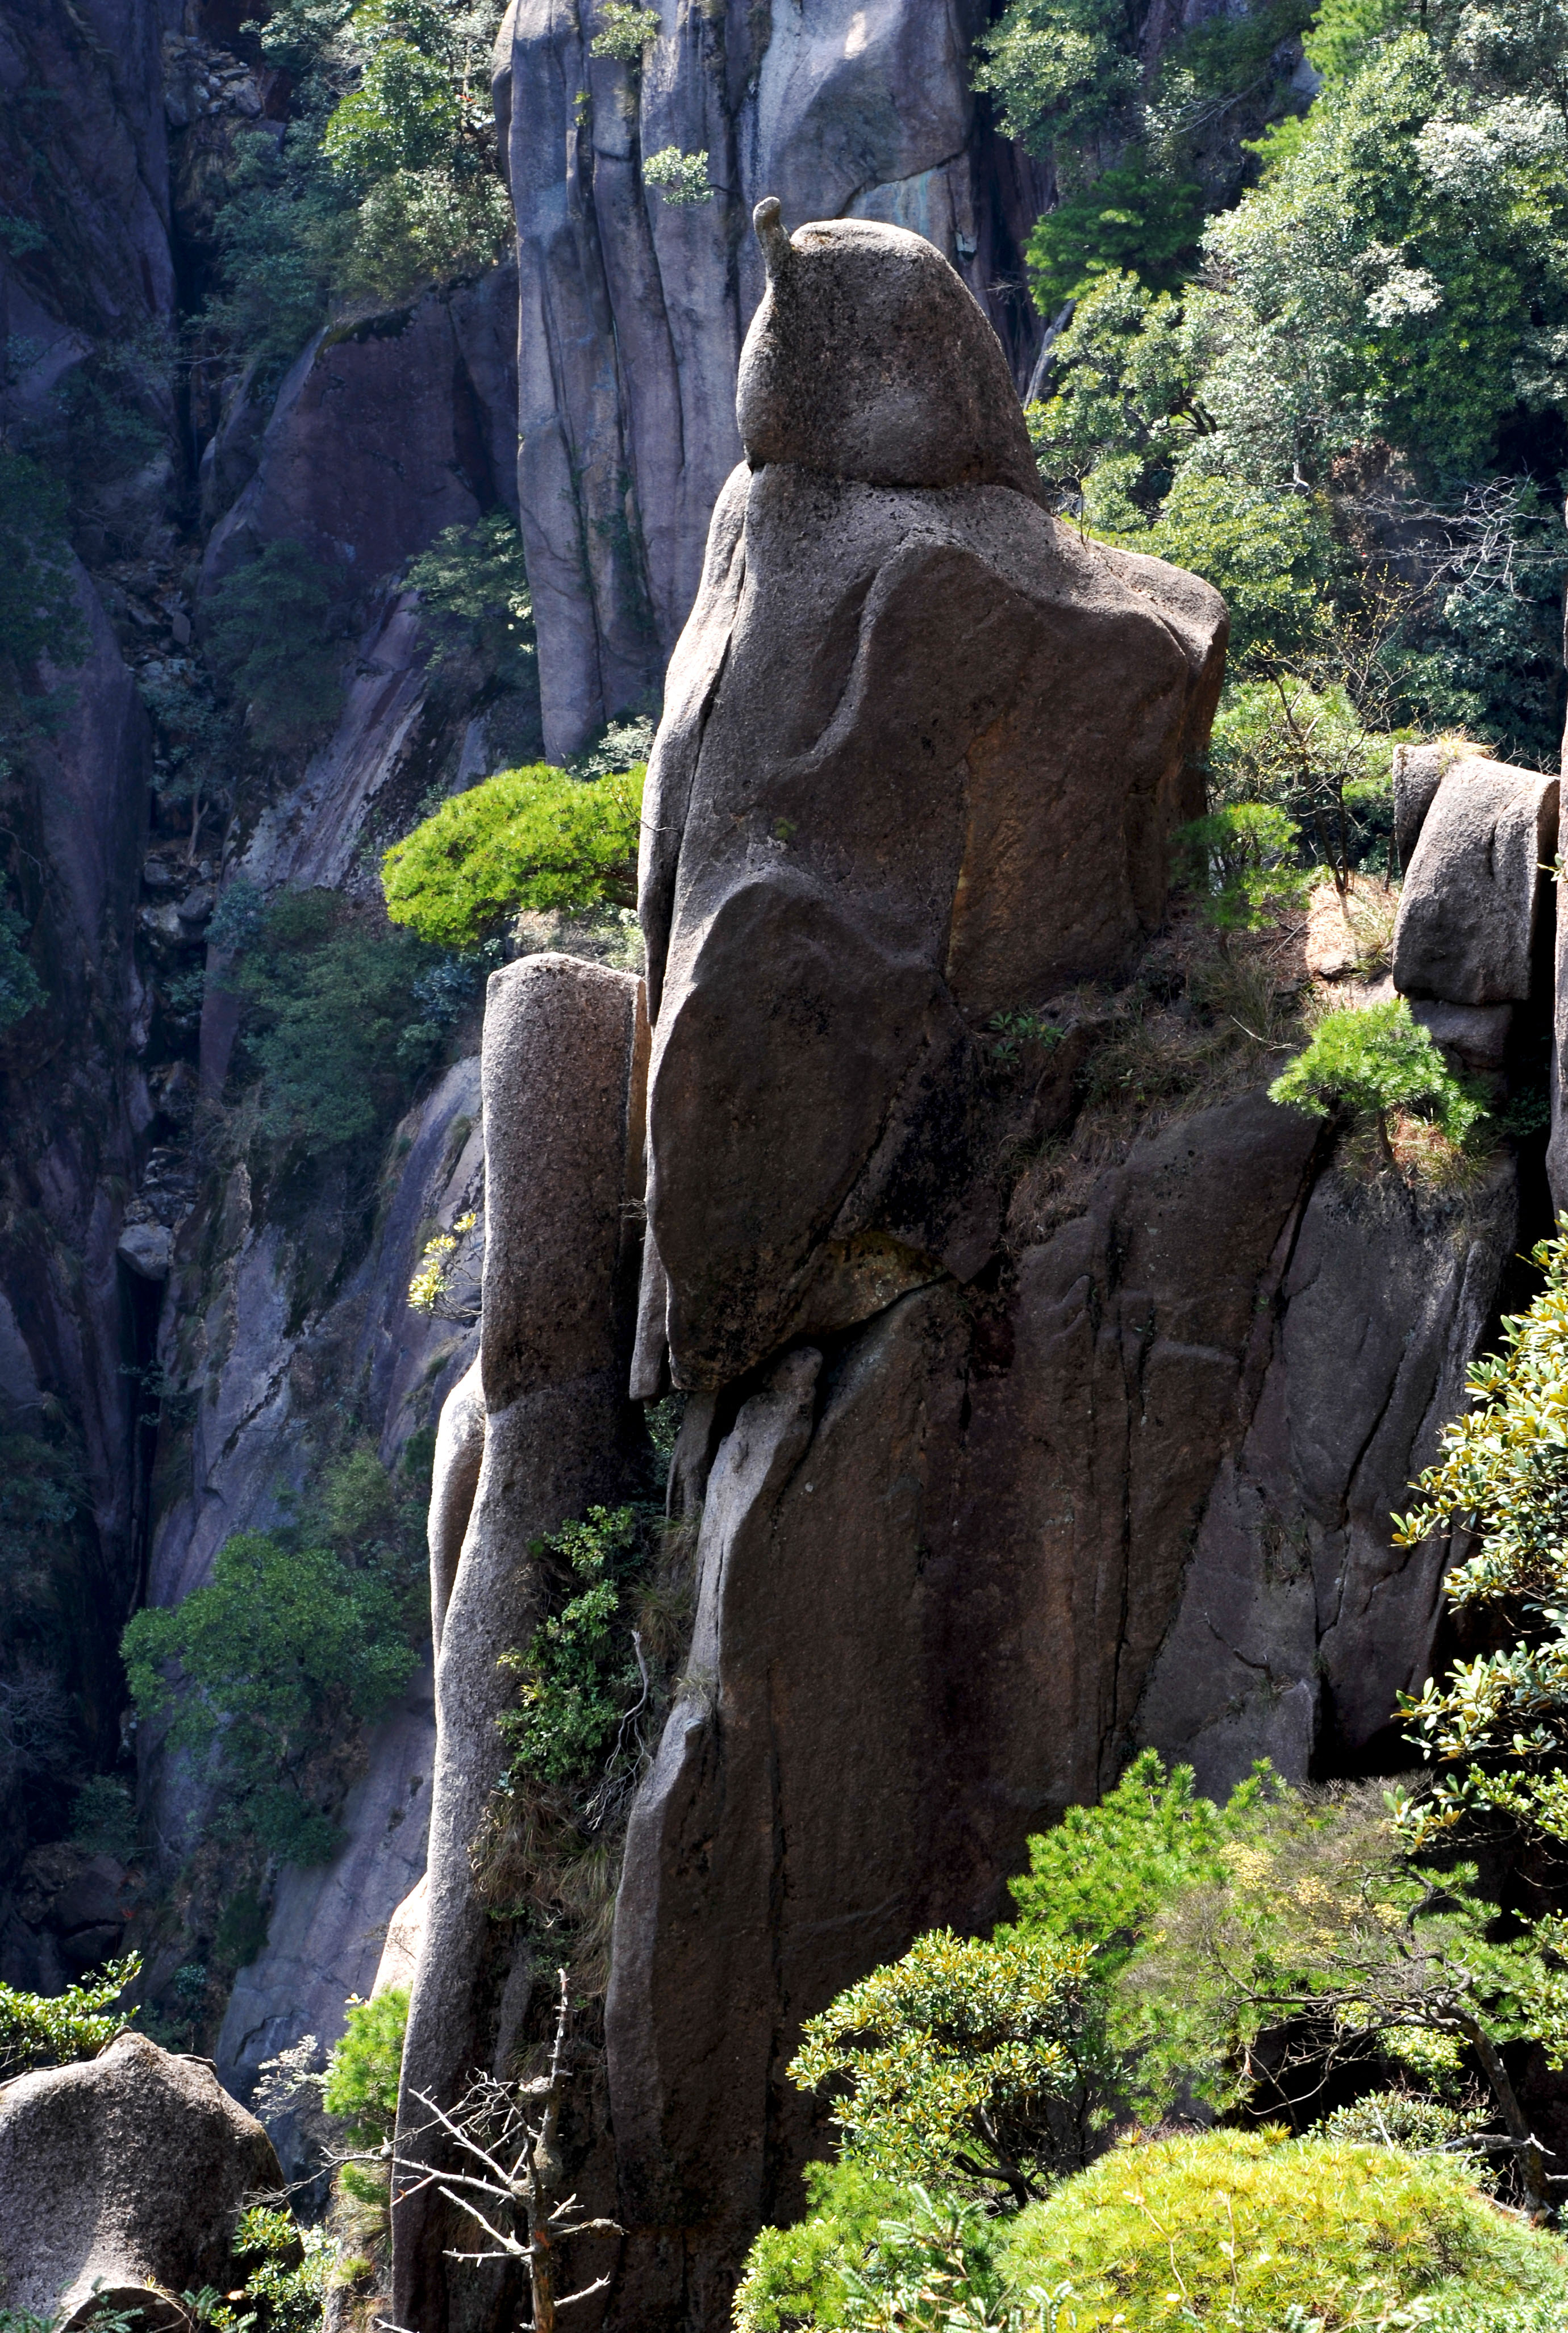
768, 220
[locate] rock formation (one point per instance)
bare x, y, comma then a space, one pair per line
980, 1507
564, 1062
120, 2182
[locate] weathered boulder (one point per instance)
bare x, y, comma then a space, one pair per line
922, 755
868, 358
562, 1074
121, 2180
1471, 908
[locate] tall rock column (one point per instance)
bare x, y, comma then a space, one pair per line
562, 1080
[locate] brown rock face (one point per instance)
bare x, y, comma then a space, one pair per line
924, 753
128, 2172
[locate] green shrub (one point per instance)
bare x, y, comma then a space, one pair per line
53, 2030
104, 1817
272, 630
474, 587
624, 31
1493, 1732
794, 2276
950, 2055
1242, 862
681, 178
1186, 2229
1131, 216
363, 2070
532, 838
21, 990
335, 1022
273, 1670
1369, 1063
578, 1673
287, 2271
39, 615
1101, 1876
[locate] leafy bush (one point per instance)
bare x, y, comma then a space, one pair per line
334, 1023
104, 1817
681, 178
949, 2055
1493, 1732
1130, 217
794, 2276
1243, 861
363, 2070
38, 2030
1061, 71
624, 31
532, 838
39, 616
287, 2269
473, 586
21, 990
1372, 1062
271, 1671
578, 1674
271, 628
1234, 2227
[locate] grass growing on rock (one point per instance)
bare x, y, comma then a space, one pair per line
1232, 2227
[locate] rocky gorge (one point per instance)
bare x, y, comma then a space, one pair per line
1025, 1411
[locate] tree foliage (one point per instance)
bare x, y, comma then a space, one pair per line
341, 1017
1370, 1063
1243, 863
948, 2054
361, 2085
273, 637
530, 838
1493, 1732
579, 1673
270, 1672
474, 588
1254, 2229
54, 2028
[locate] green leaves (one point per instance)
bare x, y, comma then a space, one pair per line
681, 178
1371, 1061
474, 588
1060, 69
1243, 860
530, 838
273, 636
948, 2055
404, 114
360, 2086
53, 2030
273, 1667
1495, 1730
578, 1674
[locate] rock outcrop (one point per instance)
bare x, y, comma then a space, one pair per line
120, 2182
904, 717
979, 1508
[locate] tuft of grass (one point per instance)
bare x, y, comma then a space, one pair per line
1231, 2226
